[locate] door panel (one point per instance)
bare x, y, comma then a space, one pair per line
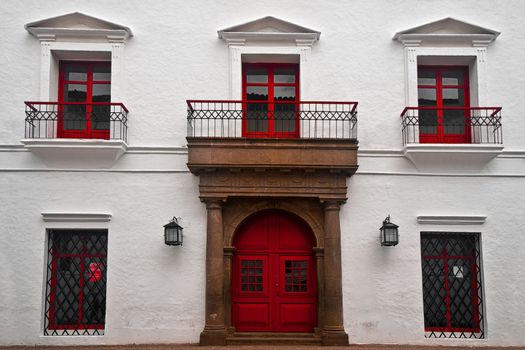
296, 317
83, 86
252, 316
270, 100
296, 300
444, 91
274, 286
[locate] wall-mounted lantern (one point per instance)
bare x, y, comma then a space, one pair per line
389, 233
173, 232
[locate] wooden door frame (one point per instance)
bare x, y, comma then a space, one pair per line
323, 219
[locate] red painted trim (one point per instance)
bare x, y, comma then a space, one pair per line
52, 292
447, 287
189, 102
77, 327
31, 104
406, 109
452, 329
475, 297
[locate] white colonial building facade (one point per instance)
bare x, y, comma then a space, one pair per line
239, 121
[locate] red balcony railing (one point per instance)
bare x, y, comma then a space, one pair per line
477, 125
280, 119
97, 120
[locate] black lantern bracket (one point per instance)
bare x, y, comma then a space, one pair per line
389, 233
173, 232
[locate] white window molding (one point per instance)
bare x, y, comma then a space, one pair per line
451, 41
76, 220
76, 36
451, 219
267, 37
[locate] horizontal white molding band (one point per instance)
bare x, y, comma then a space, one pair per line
173, 171
388, 173
399, 153
451, 219
76, 217
47, 170
184, 150
130, 149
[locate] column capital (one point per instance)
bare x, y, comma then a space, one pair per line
213, 203
229, 251
319, 251
332, 205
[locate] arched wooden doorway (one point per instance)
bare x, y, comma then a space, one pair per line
274, 277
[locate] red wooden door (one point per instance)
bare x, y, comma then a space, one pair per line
274, 284
84, 95
270, 100
443, 94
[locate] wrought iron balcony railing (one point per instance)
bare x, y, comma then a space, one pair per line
279, 119
97, 120
476, 125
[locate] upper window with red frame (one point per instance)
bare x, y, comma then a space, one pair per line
443, 97
84, 96
270, 100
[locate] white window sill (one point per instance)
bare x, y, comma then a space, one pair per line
77, 153
451, 158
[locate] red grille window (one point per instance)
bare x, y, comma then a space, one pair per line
452, 292
76, 282
251, 275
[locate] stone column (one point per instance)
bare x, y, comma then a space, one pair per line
333, 328
214, 332
228, 257
319, 255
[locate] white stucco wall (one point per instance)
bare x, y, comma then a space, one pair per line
155, 293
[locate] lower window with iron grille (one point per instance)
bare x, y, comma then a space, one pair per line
452, 285
76, 282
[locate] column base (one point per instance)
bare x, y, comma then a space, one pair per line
211, 337
335, 337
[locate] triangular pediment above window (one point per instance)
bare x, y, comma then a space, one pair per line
269, 29
447, 31
78, 26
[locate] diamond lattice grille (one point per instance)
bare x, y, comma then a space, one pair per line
452, 294
76, 282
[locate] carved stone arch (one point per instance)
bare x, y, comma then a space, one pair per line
307, 210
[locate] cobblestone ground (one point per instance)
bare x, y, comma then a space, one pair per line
254, 347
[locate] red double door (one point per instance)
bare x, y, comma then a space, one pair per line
274, 275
